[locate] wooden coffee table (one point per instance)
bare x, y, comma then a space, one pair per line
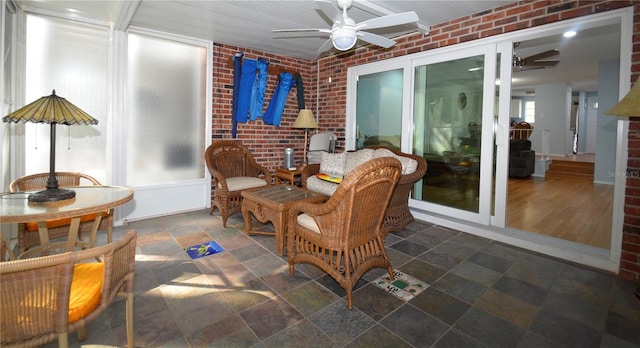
272, 203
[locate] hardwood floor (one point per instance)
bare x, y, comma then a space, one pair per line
571, 210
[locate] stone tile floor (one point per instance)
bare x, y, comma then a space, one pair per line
481, 293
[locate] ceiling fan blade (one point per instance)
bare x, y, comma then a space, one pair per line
542, 55
324, 31
330, 10
388, 21
376, 39
543, 63
325, 46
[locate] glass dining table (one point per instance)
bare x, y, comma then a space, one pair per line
15, 208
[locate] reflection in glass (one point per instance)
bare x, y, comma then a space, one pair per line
448, 118
379, 109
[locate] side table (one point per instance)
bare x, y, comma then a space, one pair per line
272, 203
288, 175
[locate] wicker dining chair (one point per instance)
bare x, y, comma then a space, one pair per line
46, 298
233, 169
28, 233
344, 235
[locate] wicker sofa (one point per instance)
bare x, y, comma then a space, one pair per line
398, 214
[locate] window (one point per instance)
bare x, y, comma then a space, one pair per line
530, 111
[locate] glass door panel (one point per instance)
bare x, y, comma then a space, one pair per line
379, 109
448, 109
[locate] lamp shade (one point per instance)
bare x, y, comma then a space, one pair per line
629, 106
305, 120
52, 110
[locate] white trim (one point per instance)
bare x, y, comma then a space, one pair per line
495, 229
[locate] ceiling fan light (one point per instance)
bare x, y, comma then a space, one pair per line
344, 39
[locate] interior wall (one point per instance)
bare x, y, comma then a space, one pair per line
607, 125
553, 102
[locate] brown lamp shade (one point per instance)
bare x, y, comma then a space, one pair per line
629, 106
305, 120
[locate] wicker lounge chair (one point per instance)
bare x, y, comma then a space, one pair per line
28, 233
232, 169
344, 236
36, 293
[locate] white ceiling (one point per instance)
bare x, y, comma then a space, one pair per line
248, 24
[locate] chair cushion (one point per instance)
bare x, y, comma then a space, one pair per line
33, 226
243, 183
333, 163
356, 158
317, 185
86, 288
409, 165
307, 221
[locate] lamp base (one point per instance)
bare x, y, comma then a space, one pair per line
52, 195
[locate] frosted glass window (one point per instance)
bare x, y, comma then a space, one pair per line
166, 92
72, 59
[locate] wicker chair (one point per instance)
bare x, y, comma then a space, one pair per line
28, 233
233, 169
398, 214
344, 235
36, 293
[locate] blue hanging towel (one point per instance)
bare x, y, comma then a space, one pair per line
237, 71
278, 99
259, 87
247, 80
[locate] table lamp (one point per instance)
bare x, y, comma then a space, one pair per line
629, 106
51, 109
307, 122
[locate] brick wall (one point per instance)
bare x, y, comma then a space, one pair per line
330, 100
267, 142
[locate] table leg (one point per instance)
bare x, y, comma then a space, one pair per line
43, 231
246, 215
94, 229
74, 227
5, 244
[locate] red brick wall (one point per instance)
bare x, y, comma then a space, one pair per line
268, 142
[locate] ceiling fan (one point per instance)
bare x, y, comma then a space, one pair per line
536, 61
345, 31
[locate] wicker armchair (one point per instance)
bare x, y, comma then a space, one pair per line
232, 169
28, 233
344, 235
36, 293
398, 214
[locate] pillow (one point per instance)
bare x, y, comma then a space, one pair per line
409, 165
332, 164
329, 178
356, 158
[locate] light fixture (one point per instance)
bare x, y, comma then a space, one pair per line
52, 110
307, 122
629, 106
344, 38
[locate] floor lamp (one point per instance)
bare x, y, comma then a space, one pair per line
629, 106
307, 122
52, 110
